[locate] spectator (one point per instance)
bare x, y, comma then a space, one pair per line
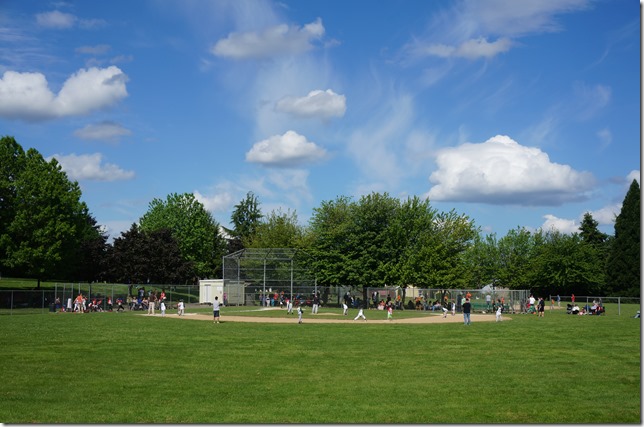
467, 308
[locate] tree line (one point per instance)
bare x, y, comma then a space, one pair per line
48, 233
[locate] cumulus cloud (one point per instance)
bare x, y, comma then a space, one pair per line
563, 225
27, 96
500, 171
288, 150
218, 202
323, 104
91, 167
277, 40
607, 214
104, 131
633, 175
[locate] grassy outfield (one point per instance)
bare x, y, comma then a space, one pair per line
127, 368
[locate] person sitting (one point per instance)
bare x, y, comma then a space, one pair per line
575, 309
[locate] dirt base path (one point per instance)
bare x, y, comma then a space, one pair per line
372, 318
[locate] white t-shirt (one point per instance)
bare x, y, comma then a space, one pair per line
215, 305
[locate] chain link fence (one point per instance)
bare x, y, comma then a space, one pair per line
61, 297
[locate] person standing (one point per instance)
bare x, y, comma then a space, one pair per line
289, 306
78, 303
498, 313
488, 300
345, 309
151, 301
573, 299
558, 301
300, 311
467, 308
316, 304
540, 307
360, 314
162, 307
180, 307
215, 310
390, 312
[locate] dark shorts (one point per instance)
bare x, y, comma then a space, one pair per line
216, 313
541, 308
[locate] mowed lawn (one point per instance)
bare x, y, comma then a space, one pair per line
127, 368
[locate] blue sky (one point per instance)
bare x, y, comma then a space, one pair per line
515, 113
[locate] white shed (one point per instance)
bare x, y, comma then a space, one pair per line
209, 289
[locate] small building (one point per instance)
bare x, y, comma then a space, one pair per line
209, 289
231, 294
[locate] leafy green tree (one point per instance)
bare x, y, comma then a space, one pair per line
623, 266
369, 252
329, 230
12, 159
138, 257
408, 234
482, 261
278, 230
194, 229
91, 255
46, 222
564, 263
455, 233
515, 252
245, 218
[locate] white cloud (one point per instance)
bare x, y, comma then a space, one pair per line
99, 49
56, 20
104, 131
463, 30
633, 175
277, 40
590, 99
291, 185
512, 18
318, 104
500, 171
469, 49
607, 214
27, 96
91, 167
218, 202
381, 146
566, 226
606, 137
288, 150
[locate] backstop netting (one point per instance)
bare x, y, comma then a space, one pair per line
266, 272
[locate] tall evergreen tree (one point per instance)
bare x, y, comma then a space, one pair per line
246, 218
623, 267
589, 231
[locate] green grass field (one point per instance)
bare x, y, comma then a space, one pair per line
125, 368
